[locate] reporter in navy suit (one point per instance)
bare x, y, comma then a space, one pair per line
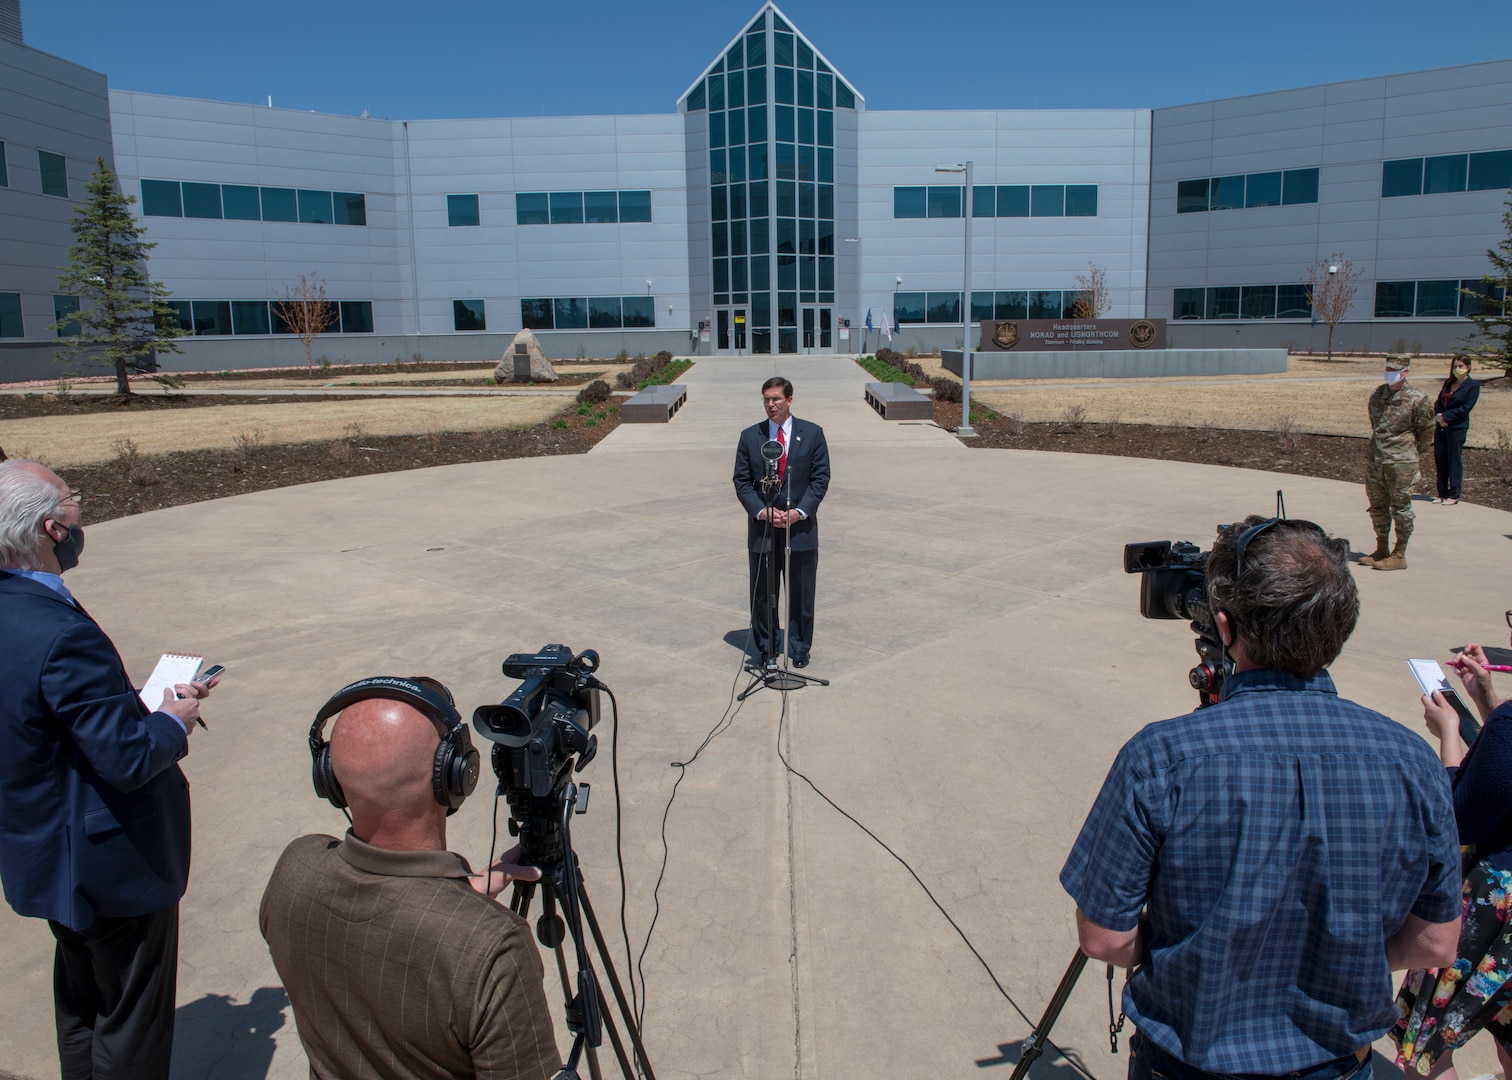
805, 477
94, 812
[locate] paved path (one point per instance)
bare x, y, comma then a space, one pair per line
986, 660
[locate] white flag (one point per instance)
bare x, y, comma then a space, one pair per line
887, 324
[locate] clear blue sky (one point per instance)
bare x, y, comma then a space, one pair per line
467, 58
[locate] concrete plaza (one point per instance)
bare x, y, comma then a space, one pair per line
986, 659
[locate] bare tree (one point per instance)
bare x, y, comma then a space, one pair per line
307, 313
1091, 300
1331, 288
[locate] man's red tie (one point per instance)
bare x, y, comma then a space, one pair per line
782, 461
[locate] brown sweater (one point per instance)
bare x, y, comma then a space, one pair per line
397, 968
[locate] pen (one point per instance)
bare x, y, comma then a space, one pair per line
1488, 667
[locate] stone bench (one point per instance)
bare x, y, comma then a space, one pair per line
898, 401
654, 404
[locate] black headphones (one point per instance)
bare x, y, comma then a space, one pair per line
454, 773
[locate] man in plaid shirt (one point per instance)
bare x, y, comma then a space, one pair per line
1265, 864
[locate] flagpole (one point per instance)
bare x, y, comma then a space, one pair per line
965, 430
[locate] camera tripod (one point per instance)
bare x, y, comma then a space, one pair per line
562, 883
1034, 1044
783, 678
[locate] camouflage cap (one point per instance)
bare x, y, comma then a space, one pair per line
1396, 362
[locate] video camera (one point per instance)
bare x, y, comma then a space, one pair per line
1173, 585
542, 733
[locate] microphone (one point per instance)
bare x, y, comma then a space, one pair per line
771, 453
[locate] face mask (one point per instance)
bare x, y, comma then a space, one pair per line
67, 550
1393, 377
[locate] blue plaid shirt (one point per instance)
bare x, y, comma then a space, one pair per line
1273, 842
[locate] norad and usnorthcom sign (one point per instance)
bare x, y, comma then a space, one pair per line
1037, 335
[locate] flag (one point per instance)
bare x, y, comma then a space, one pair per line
868, 319
887, 325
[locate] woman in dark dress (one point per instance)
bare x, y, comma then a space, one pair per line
1441, 1008
1452, 413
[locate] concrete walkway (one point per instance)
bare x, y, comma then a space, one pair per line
986, 659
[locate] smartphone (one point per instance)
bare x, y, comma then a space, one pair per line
210, 672
1431, 677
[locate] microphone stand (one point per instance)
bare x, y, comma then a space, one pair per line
778, 678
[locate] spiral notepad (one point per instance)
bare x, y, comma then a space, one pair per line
172, 669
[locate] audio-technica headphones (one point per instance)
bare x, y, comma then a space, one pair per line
454, 772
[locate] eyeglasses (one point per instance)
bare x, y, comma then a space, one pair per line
1248, 535
1509, 618
77, 496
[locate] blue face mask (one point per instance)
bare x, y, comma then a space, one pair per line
67, 550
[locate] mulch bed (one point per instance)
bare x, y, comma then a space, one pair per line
124, 487
1488, 473
23, 407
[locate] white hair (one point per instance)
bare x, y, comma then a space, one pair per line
27, 498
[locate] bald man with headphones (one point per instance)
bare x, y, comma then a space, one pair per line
393, 953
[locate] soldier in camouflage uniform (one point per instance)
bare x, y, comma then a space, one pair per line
1401, 429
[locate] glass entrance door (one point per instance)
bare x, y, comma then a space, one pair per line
818, 329
731, 331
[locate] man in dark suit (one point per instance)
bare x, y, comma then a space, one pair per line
94, 812
803, 473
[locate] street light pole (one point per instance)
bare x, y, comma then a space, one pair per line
965, 431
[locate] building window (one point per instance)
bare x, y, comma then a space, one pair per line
910, 307
1444, 174
1191, 196
1047, 200
1013, 200
315, 207
63, 307
4, 176
278, 204
1479, 298
1394, 299
356, 316
945, 202
1045, 304
1013, 304
239, 202
634, 206
468, 315
1437, 299
1288, 188
1081, 200
532, 208
250, 317
10, 315
1257, 302
1491, 171
984, 201
1292, 302
1300, 186
910, 202
604, 313
571, 313
1262, 189
566, 207
1404, 177
640, 312
1242, 302
461, 210
600, 207
536, 314
1223, 302
1188, 303
351, 207
604, 207
54, 169
160, 198
212, 318
202, 200
1226, 193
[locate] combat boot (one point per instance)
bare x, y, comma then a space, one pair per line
1397, 560
1383, 549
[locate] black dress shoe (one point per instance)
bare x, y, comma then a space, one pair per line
801, 661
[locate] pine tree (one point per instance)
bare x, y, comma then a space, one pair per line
124, 316
1492, 312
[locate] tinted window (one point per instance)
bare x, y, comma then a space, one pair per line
944, 202
10, 315
756, 86
1257, 302
1045, 304
1191, 196
1047, 200
1394, 299
1081, 200
782, 49
356, 317
566, 207
1187, 303
909, 202
351, 207
239, 203
54, 174
639, 311
1486, 298
536, 314
315, 207
1223, 302
1404, 177
1436, 299
1013, 201
183, 315
212, 317
716, 84
787, 161
604, 312
249, 317
600, 207
4, 177
1299, 186
845, 97
1443, 174
908, 307
756, 48
468, 315
1488, 172
695, 103
635, 206
63, 307
981, 306
531, 208
1292, 302
1013, 304
1262, 189
160, 198
461, 210
1226, 193
202, 200
571, 313
278, 204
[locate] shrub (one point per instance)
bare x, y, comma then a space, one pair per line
888, 356
625, 381
1074, 416
595, 392
663, 358
945, 389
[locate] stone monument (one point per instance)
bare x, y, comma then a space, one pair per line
524, 361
